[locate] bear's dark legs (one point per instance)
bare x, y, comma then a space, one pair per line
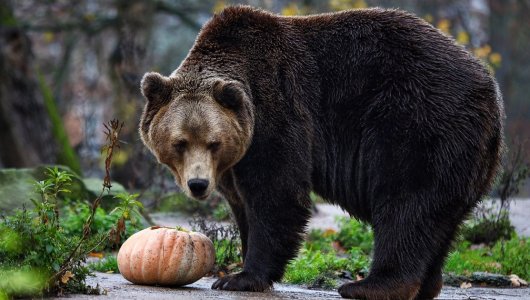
274, 236
408, 239
228, 188
238, 209
432, 281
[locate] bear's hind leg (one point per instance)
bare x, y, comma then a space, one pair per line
407, 240
433, 281
432, 284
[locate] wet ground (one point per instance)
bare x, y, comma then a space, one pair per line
116, 287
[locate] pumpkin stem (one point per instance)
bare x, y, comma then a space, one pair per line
180, 228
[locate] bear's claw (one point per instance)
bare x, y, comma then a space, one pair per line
243, 281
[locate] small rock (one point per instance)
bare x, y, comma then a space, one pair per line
346, 275
517, 282
465, 285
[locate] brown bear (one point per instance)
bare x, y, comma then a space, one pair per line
375, 110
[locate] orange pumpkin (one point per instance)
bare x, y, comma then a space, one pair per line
165, 256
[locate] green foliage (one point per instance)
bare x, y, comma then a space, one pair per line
505, 256
66, 155
488, 229
353, 233
108, 265
42, 251
34, 242
179, 202
128, 207
75, 215
226, 242
514, 256
327, 254
221, 212
322, 268
465, 261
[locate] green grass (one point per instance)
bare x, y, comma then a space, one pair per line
105, 265
327, 254
504, 257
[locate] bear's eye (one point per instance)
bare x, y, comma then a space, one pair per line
214, 146
180, 146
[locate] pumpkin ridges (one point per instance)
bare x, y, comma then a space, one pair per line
150, 254
193, 259
165, 256
181, 252
143, 258
161, 260
169, 276
133, 256
201, 260
168, 252
186, 261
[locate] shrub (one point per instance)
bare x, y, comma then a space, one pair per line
327, 255
506, 257
108, 264
38, 256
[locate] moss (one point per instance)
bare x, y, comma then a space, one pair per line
66, 155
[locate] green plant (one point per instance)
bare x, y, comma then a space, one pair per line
73, 218
108, 264
514, 256
491, 222
505, 256
464, 261
226, 242
353, 233
488, 228
325, 255
216, 207
35, 248
221, 212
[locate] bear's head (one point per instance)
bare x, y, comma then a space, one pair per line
198, 128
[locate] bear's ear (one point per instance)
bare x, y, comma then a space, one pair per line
156, 88
229, 94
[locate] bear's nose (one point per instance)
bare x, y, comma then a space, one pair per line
198, 186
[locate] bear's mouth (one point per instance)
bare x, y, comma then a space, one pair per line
201, 197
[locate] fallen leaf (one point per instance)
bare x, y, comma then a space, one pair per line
465, 285
66, 277
329, 232
358, 277
517, 281
96, 254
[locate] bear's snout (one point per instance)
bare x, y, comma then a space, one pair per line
198, 186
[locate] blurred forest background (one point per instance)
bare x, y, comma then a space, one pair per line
67, 67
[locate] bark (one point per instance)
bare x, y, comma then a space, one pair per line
25, 132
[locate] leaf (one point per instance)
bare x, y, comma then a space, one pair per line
66, 277
96, 254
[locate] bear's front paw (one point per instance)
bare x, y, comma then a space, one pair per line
243, 281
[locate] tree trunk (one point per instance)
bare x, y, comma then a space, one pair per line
25, 133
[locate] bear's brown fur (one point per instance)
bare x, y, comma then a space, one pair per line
375, 110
